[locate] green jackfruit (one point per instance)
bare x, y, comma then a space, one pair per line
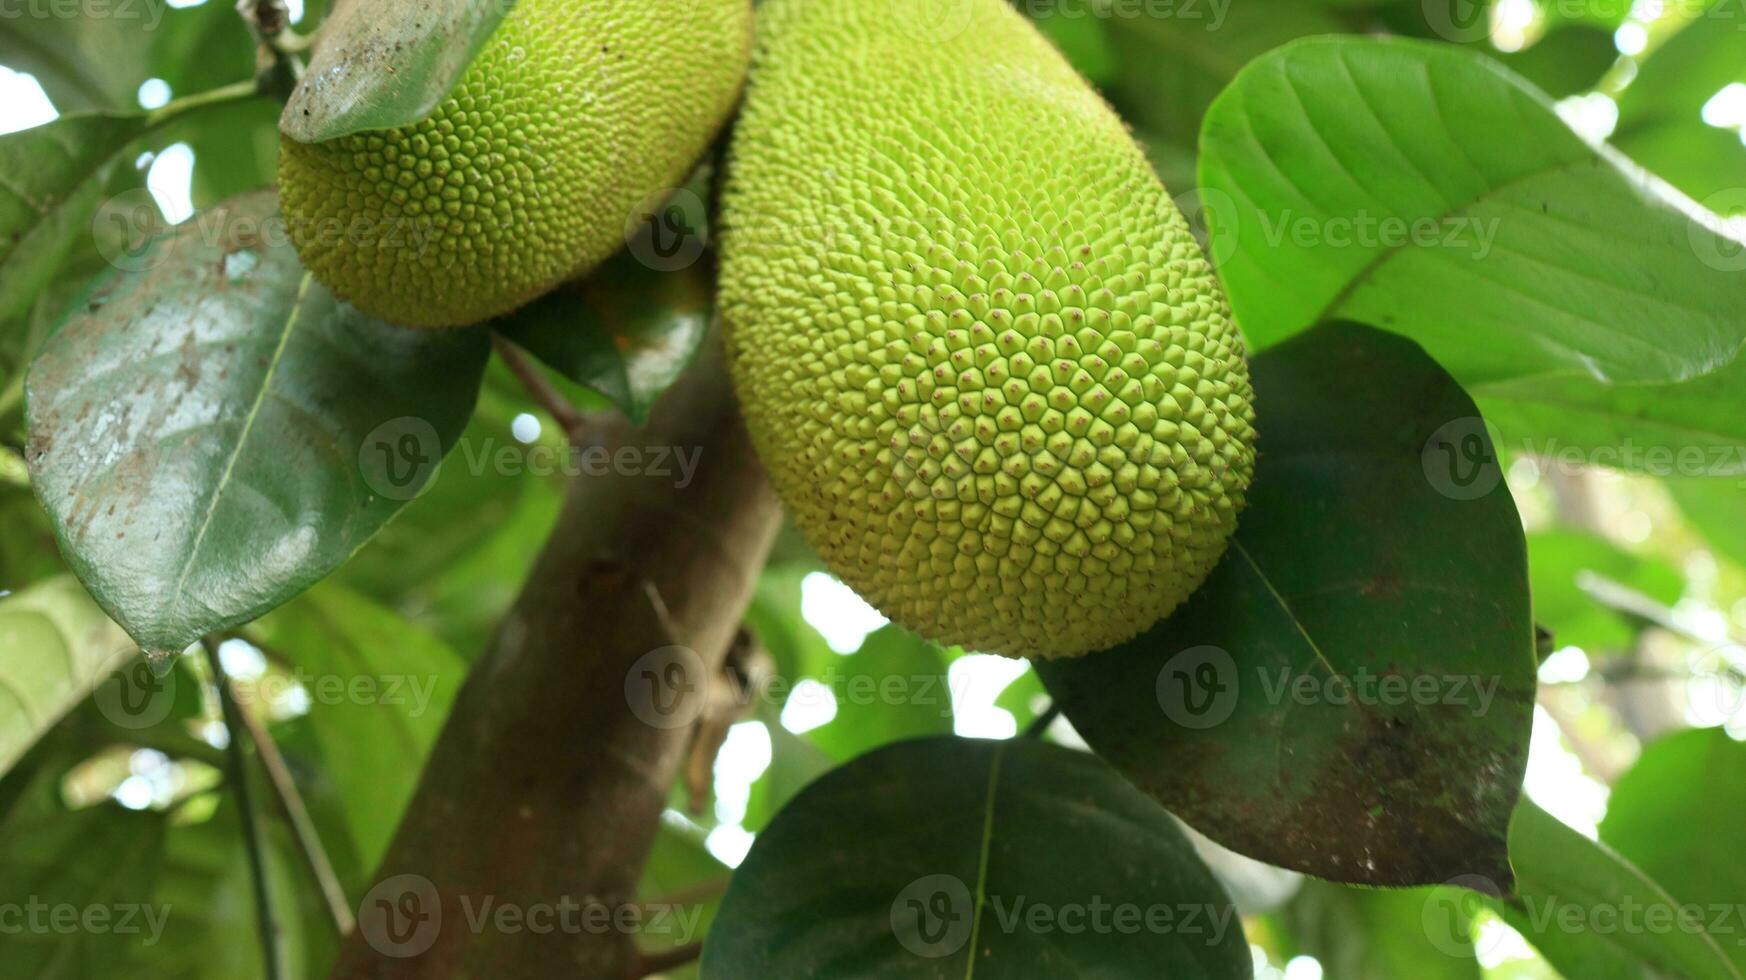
977, 347
569, 119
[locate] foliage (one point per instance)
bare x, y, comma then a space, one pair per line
1471, 311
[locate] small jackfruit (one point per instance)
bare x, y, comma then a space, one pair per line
977, 347
570, 117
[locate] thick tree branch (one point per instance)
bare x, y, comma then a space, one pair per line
544, 791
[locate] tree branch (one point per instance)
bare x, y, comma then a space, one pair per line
239, 780
302, 827
546, 786
650, 964
576, 425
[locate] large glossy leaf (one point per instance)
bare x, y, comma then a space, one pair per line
1692, 428
1589, 910
214, 432
384, 64
379, 692
945, 857
55, 646
1660, 113
630, 328
1350, 693
1422, 188
1561, 562
1694, 781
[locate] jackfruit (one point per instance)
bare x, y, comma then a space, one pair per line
978, 349
571, 117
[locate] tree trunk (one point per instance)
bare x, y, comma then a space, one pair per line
541, 799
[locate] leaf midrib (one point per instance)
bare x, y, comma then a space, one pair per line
242, 439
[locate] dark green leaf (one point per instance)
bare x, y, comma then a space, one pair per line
214, 432
1420, 187
385, 64
1173, 59
1559, 562
948, 857
627, 330
1587, 909
1351, 691
55, 647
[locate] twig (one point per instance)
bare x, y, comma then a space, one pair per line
567, 415
252, 842
1041, 723
302, 827
649, 964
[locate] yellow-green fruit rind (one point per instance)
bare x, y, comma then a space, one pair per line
569, 119
978, 349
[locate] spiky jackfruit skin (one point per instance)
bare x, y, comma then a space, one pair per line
979, 351
570, 117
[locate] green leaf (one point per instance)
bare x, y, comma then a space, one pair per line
991, 859
1422, 188
379, 692
213, 432
1717, 509
168, 896
1661, 112
1383, 934
1350, 693
1558, 564
1174, 59
891, 689
385, 64
1692, 428
55, 647
92, 57
627, 331
1586, 908
54, 180
794, 763
1675, 815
